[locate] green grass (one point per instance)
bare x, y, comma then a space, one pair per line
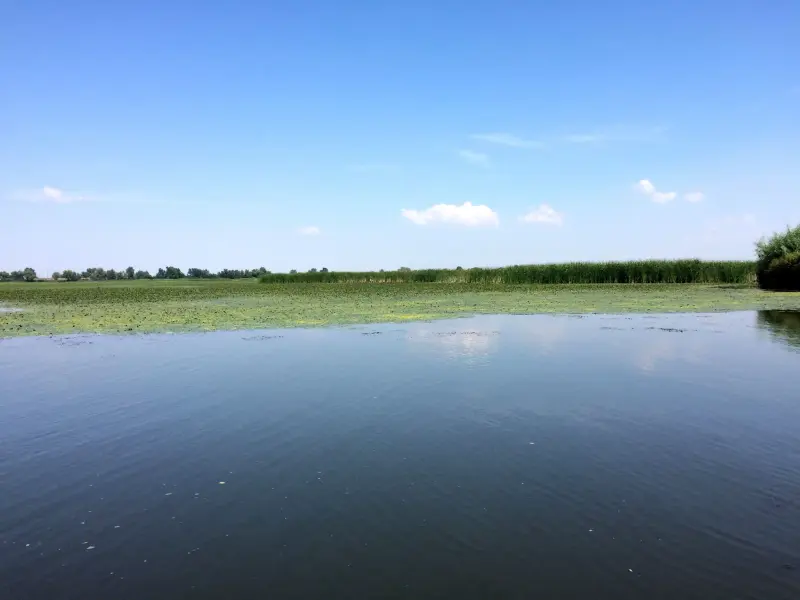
203, 305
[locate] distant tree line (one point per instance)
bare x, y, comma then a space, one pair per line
27, 274
101, 274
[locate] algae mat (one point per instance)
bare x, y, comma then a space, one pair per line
191, 305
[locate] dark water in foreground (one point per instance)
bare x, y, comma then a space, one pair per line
495, 457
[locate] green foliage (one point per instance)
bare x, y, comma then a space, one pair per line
173, 273
55, 276
778, 266
95, 274
199, 273
241, 273
101, 274
645, 271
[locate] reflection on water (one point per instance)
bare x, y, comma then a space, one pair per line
458, 343
782, 324
608, 456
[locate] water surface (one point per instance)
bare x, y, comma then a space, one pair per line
619, 457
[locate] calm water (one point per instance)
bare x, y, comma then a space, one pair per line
496, 457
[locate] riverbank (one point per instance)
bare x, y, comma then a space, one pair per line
205, 305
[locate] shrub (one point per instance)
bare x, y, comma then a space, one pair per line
778, 265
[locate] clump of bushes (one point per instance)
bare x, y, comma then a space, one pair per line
778, 265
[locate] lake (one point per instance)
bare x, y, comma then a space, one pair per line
623, 457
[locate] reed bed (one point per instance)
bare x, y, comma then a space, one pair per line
643, 271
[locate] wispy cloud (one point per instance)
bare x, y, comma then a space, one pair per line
309, 230
467, 214
374, 168
694, 196
663, 197
474, 158
506, 139
618, 133
543, 214
646, 187
584, 138
50, 194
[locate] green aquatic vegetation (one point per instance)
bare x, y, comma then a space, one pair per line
182, 305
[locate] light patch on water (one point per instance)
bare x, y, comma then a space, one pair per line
9, 309
459, 343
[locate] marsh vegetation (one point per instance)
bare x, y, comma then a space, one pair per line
201, 305
641, 271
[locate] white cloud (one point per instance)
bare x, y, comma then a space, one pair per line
467, 214
310, 230
646, 187
506, 139
694, 196
474, 158
50, 194
544, 214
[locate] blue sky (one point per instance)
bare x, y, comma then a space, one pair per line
374, 134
